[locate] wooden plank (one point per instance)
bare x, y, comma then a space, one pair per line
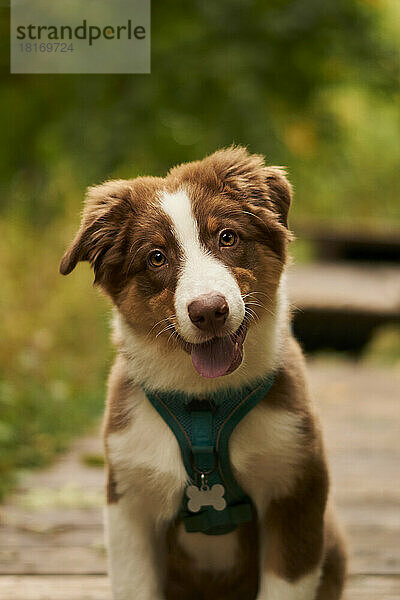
339, 306
344, 242
79, 535
372, 548
48, 519
372, 588
346, 287
97, 588
359, 408
46, 560
54, 588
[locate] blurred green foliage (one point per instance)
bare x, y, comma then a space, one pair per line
384, 347
311, 84
53, 352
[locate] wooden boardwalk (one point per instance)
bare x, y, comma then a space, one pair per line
365, 288
342, 305
51, 545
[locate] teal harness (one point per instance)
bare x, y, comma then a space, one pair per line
213, 503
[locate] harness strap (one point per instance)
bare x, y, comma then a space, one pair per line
202, 427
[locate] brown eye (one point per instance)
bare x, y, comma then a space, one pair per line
157, 258
227, 238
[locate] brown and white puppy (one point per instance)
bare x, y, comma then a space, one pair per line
197, 257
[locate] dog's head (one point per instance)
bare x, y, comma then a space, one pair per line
192, 259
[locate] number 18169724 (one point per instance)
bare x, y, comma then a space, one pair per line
46, 47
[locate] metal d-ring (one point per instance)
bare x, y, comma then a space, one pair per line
202, 473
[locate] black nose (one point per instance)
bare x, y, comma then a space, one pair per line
209, 312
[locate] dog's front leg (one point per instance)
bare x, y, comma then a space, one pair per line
135, 562
293, 542
276, 587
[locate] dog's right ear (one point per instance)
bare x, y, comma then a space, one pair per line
107, 207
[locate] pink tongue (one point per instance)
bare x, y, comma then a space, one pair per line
217, 357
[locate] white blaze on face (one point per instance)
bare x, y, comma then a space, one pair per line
201, 273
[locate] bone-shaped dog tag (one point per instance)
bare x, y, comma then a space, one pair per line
205, 496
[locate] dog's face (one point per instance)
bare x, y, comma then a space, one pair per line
192, 259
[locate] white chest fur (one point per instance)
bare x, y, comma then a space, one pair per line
147, 463
265, 452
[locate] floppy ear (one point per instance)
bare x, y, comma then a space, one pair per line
247, 174
280, 192
104, 219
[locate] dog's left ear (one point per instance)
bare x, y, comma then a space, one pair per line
245, 173
280, 192
105, 215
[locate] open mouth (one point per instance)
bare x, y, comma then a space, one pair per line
220, 355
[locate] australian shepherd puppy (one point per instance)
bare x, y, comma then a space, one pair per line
194, 264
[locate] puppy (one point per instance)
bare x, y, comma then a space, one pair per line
194, 264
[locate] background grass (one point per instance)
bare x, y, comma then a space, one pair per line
312, 85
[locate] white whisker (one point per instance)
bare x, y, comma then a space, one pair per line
167, 328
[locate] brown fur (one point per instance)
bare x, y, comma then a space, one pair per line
117, 416
334, 565
120, 390
295, 525
184, 582
111, 487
